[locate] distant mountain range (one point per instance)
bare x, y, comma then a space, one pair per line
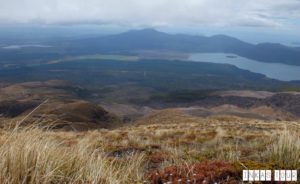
150, 39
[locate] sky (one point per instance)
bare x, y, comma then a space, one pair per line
251, 18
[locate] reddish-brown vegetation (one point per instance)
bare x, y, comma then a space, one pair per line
204, 172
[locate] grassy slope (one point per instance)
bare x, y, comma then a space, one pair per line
130, 154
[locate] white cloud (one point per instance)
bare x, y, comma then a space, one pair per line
265, 13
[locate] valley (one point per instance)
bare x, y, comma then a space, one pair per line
90, 110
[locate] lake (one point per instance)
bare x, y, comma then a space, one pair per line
272, 70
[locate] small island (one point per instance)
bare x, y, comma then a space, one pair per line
231, 56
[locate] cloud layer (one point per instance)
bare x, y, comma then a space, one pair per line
263, 13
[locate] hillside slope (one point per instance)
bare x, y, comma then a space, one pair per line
162, 147
55, 104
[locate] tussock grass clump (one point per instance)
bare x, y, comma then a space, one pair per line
285, 151
28, 156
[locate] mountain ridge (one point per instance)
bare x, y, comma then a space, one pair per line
151, 39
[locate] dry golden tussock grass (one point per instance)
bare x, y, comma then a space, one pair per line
285, 151
125, 155
33, 156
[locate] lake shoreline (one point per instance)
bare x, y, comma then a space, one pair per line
277, 71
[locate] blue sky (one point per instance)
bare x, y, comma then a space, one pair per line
251, 20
